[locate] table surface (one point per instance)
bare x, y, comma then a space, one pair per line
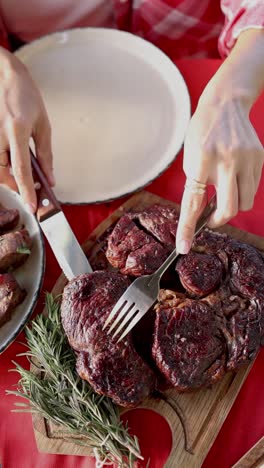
245, 422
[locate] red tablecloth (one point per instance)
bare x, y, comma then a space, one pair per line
245, 423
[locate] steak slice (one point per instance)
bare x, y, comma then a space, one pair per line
113, 369
11, 295
161, 222
200, 273
141, 241
246, 269
240, 322
13, 246
210, 242
8, 219
188, 346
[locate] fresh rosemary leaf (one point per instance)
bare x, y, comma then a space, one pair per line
58, 394
23, 250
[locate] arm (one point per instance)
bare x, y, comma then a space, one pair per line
221, 146
22, 116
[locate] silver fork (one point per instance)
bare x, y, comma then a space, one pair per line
143, 292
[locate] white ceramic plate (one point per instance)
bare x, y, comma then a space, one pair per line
118, 107
29, 275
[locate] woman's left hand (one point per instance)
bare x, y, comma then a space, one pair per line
221, 149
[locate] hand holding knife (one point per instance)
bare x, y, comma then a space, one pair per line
56, 228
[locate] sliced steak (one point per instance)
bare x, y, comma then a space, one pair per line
8, 219
124, 376
11, 295
188, 347
200, 273
113, 369
161, 222
240, 323
246, 269
210, 242
141, 241
209, 320
14, 249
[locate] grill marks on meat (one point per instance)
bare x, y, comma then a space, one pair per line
8, 219
113, 369
10, 243
11, 295
141, 241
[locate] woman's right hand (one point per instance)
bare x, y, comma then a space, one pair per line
22, 116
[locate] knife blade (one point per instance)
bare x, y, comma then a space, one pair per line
56, 228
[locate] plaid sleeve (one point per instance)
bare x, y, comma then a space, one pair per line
239, 16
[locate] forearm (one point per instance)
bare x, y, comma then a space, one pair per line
242, 73
246, 63
7, 63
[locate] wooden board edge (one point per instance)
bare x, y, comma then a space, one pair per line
253, 458
220, 414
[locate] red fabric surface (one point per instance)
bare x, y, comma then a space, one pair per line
245, 422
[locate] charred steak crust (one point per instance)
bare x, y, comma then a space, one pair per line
210, 323
188, 346
11, 295
8, 219
141, 241
200, 273
224, 280
11, 256
113, 369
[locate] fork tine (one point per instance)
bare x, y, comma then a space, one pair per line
129, 316
125, 309
133, 322
119, 305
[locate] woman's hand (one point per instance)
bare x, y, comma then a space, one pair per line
22, 116
222, 149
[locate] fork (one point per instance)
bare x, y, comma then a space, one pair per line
143, 292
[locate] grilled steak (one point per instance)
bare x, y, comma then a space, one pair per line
241, 323
200, 273
188, 346
209, 318
11, 295
141, 241
8, 219
13, 246
113, 369
218, 324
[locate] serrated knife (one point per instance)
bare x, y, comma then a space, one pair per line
56, 228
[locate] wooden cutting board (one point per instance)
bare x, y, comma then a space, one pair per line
202, 413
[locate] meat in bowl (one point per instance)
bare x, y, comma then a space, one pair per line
15, 247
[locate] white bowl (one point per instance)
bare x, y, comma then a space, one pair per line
118, 106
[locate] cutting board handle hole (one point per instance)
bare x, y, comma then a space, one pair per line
155, 444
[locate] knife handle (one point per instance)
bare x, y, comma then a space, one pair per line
47, 202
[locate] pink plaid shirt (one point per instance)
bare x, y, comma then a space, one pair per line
181, 28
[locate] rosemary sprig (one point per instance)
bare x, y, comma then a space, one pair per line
63, 397
23, 250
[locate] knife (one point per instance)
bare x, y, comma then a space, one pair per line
56, 228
